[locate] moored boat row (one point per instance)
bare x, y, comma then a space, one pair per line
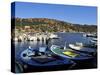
70, 52
57, 55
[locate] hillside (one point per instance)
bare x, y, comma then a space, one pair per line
51, 25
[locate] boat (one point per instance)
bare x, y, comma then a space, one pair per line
53, 36
94, 41
76, 46
48, 59
30, 53
69, 53
90, 35
81, 59
86, 48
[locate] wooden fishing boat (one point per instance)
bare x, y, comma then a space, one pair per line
68, 53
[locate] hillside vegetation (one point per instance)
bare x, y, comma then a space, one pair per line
51, 25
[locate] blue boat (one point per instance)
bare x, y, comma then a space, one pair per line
44, 58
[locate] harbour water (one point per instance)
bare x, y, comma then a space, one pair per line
64, 37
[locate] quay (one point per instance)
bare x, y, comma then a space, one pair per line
34, 36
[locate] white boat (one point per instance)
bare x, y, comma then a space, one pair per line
90, 35
76, 46
53, 36
94, 39
94, 42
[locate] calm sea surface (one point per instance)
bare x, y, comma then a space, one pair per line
64, 37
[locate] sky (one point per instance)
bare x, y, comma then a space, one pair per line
68, 13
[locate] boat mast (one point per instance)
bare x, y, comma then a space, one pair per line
65, 46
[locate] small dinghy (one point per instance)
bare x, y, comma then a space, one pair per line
94, 41
76, 46
85, 48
